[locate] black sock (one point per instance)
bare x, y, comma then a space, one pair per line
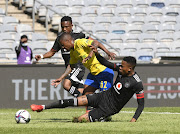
62, 103
73, 91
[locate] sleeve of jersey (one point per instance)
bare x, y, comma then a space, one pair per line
83, 35
140, 101
56, 47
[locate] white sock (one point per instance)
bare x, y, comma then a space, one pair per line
43, 106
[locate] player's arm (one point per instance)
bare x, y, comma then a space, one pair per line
56, 47
46, 55
140, 101
97, 44
103, 61
88, 57
69, 68
102, 47
56, 82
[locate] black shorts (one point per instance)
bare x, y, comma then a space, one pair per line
101, 109
76, 77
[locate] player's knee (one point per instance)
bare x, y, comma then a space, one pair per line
89, 90
67, 85
81, 90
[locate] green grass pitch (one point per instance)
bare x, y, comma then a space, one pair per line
152, 120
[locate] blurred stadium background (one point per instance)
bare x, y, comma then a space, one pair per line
146, 29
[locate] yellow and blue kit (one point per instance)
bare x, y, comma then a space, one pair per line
100, 76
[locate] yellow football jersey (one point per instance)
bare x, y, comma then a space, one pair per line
81, 51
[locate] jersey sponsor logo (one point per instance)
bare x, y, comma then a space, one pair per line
118, 86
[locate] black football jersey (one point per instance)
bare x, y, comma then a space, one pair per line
123, 89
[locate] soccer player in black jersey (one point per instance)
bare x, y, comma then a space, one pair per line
110, 101
73, 83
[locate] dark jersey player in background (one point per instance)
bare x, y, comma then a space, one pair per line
75, 77
110, 101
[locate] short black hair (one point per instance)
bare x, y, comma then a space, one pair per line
24, 36
66, 18
130, 60
63, 36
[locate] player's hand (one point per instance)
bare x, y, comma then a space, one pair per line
133, 120
37, 57
56, 82
111, 55
93, 48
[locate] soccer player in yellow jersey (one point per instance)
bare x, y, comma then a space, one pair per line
100, 77
81, 51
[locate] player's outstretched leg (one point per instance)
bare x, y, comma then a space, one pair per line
89, 90
57, 104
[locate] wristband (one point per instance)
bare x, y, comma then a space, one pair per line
41, 56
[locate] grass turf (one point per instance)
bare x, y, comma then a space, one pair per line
153, 120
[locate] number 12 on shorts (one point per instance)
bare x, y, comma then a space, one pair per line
103, 85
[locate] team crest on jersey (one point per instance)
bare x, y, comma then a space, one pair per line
118, 85
127, 85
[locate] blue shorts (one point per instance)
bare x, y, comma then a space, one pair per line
102, 81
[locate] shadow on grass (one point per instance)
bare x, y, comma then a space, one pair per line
67, 120
52, 120
115, 120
